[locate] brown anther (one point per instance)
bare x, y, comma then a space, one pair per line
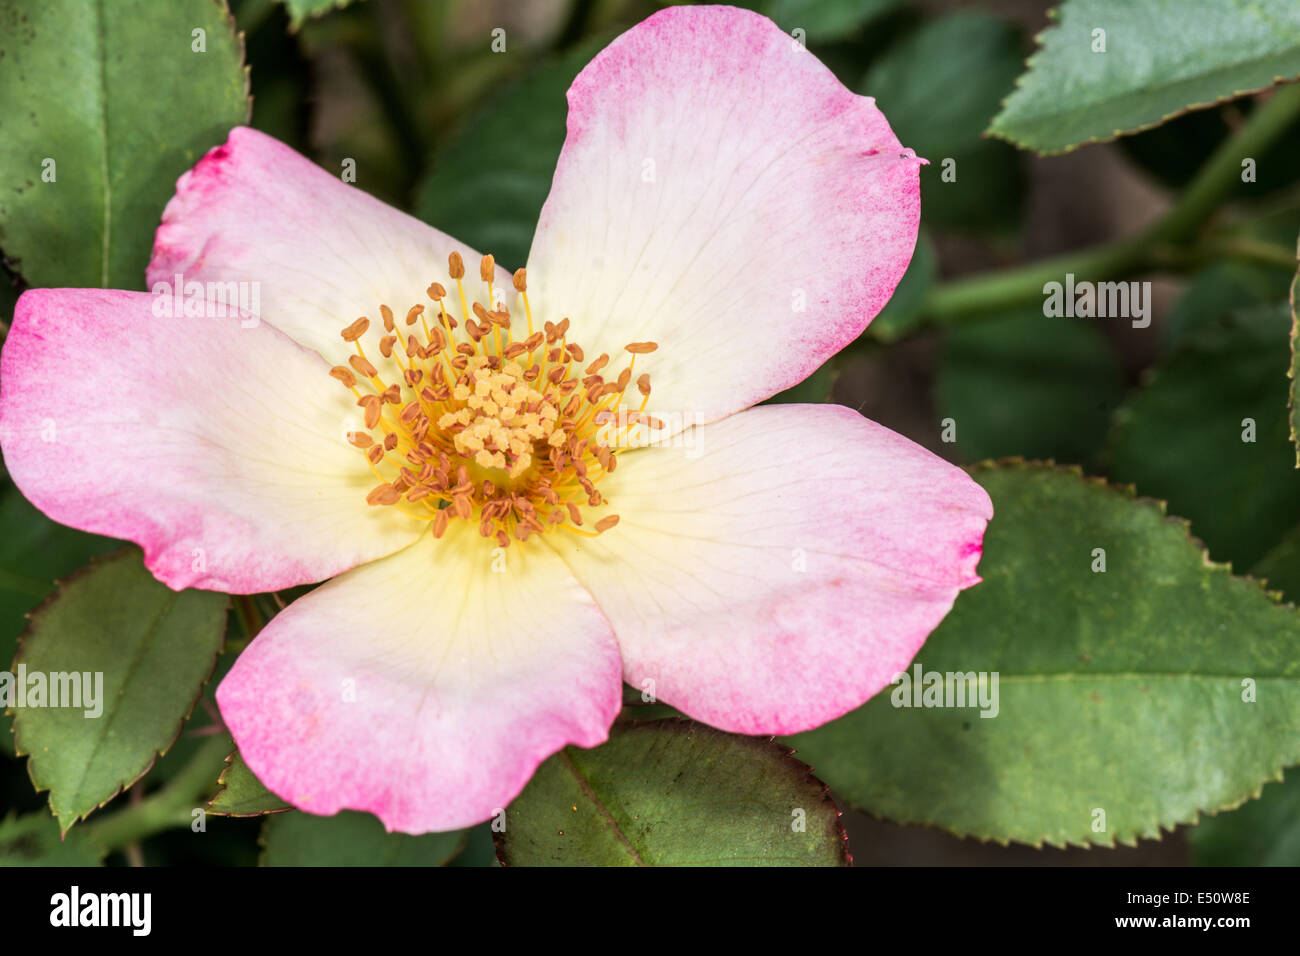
575, 350
574, 513
343, 375
393, 394
362, 366
487, 265
643, 384
386, 345
355, 330
387, 315
456, 266
360, 439
641, 348
371, 404
413, 313
521, 280
605, 523
375, 453
597, 365
390, 441
436, 291
440, 523
384, 494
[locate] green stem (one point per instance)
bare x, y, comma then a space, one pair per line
1149, 249
168, 808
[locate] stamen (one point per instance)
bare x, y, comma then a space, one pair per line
484, 427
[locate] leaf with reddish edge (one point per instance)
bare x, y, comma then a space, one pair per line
242, 794
674, 793
1155, 690
1293, 406
1104, 69
155, 649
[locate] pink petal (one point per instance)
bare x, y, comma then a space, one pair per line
464, 679
722, 194
323, 252
783, 570
219, 449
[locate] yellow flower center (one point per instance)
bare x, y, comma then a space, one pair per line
463, 421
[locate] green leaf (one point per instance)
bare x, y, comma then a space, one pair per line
1180, 437
34, 551
242, 794
114, 95
351, 839
826, 19
1162, 57
34, 840
1280, 567
673, 793
971, 61
1119, 691
154, 648
1026, 384
902, 313
1264, 832
1217, 293
301, 10
490, 196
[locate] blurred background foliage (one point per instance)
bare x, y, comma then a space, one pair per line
466, 138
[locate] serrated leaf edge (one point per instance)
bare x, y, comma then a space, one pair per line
59, 584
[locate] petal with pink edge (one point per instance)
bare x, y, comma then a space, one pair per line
219, 449
321, 252
781, 566
721, 193
425, 688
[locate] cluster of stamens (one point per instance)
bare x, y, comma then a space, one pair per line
464, 421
